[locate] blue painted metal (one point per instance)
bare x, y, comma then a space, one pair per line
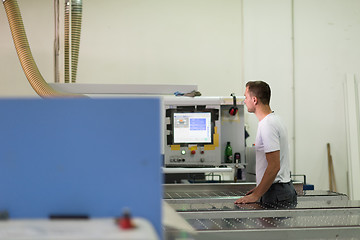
81, 156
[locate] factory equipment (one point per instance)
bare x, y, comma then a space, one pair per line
198, 129
210, 209
69, 159
258, 222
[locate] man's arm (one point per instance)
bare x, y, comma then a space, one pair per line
273, 159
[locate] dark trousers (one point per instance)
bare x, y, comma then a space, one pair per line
280, 193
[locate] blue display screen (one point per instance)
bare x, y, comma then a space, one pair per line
198, 124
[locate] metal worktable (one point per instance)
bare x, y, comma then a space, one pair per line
210, 209
227, 205
236, 190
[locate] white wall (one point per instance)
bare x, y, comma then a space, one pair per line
327, 36
201, 42
159, 41
139, 41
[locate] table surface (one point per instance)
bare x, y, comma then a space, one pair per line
100, 229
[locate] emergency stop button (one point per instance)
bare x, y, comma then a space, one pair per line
193, 152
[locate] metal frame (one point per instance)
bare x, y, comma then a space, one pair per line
294, 233
152, 89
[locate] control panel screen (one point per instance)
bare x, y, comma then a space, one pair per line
192, 127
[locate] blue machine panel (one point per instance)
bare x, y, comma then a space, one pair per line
90, 157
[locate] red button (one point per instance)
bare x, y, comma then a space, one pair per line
193, 152
125, 221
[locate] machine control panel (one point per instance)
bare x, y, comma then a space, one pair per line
197, 130
191, 156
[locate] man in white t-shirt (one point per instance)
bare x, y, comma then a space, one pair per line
273, 183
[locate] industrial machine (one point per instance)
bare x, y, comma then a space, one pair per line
210, 210
68, 159
198, 129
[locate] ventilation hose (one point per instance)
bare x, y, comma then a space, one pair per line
76, 15
67, 42
28, 64
73, 11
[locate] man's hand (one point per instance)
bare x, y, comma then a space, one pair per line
251, 198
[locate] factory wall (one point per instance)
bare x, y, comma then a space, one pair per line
327, 35
303, 48
139, 41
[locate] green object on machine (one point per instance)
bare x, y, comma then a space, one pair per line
228, 153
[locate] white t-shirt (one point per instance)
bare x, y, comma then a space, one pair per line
272, 136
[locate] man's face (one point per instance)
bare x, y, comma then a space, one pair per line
249, 101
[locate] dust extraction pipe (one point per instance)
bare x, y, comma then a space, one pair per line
72, 30
76, 16
67, 42
25, 56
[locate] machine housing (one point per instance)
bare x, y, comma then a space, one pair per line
197, 129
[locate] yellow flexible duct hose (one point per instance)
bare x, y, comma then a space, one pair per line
76, 15
25, 56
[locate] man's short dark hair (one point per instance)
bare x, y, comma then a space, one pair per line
261, 90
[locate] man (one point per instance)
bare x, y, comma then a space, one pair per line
273, 183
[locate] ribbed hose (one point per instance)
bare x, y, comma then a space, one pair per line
67, 42
28, 64
76, 15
